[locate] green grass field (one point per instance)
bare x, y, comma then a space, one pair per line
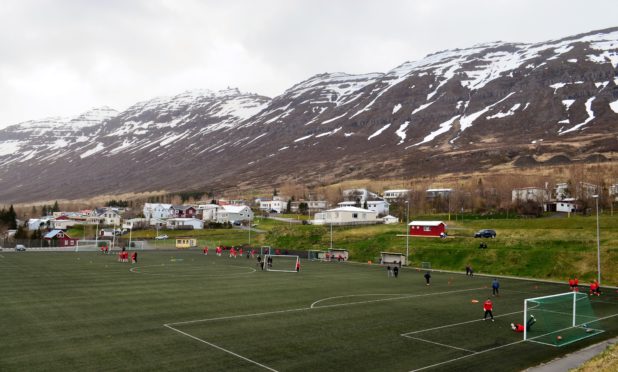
180, 310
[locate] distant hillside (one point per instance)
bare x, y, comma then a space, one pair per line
490, 106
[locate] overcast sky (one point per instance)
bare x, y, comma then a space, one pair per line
64, 57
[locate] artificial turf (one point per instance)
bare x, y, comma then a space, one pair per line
181, 310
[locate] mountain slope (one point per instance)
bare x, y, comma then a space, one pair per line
494, 104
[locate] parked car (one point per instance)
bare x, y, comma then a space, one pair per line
161, 237
485, 233
20, 248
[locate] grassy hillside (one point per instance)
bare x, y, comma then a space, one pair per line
549, 248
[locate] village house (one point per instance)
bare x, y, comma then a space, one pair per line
182, 211
157, 210
183, 223
233, 213
59, 238
278, 204
359, 195
438, 193
208, 212
346, 216
427, 228
391, 195
535, 194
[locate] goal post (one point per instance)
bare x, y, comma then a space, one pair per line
393, 258
282, 263
92, 245
265, 250
560, 319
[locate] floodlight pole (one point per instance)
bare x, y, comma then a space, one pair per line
331, 235
596, 197
249, 231
407, 231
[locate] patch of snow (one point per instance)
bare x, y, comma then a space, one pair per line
284, 148
422, 107
9, 147
379, 131
525, 107
567, 103
572, 60
557, 86
348, 134
396, 108
256, 138
328, 133
500, 114
444, 127
303, 138
333, 119
614, 106
565, 121
466, 121
99, 147
401, 132
601, 84
588, 119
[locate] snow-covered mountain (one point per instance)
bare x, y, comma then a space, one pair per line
493, 104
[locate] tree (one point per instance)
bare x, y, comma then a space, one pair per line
288, 208
365, 206
56, 207
303, 208
11, 218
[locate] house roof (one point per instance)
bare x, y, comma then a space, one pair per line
234, 208
182, 207
426, 223
52, 234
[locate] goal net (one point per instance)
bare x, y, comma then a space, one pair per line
92, 245
282, 263
426, 265
560, 319
393, 258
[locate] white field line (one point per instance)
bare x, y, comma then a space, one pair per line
502, 346
437, 343
221, 348
170, 325
384, 299
466, 356
407, 334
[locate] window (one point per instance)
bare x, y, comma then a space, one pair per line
426, 228
354, 215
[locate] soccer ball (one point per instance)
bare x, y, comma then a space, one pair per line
558, 338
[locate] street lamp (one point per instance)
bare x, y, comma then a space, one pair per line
596, 197
407, 231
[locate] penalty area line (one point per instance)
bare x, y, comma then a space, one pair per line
221, 348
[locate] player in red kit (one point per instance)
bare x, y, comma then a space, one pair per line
488, 306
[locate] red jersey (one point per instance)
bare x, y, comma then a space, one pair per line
488, 306
576, 281
519, 328
571, 282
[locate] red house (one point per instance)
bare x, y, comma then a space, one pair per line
60, 238
427, 228
183, 211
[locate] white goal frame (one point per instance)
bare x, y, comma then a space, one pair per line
85, 245
293, 270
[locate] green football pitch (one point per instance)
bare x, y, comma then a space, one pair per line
186, 311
